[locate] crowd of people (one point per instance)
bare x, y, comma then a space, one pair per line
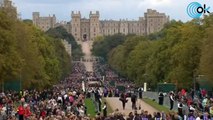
143, 115
192, 104
111, 80
64, 101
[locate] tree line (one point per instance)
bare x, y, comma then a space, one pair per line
61, 33
177, 54
29, 55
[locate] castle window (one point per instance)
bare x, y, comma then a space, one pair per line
114, 30
123, 30
94, 34
94, 29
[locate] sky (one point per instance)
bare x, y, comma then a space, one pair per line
109, 9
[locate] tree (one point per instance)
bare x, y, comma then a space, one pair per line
10, 61
61, 33
206, 66
29, 55
102, 47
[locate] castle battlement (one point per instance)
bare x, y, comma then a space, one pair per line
89, 29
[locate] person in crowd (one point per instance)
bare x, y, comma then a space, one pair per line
163, 115
105, 92
27, 112
160, 98
98, 100
116, 92
205, 116
21, 111
140, 92
180, 110
185, 111
136, 116
211, 111
123, 100
134, 100
171, 98
105, 110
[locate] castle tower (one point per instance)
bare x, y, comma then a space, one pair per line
154, 21
44, 23
85, 29
53, 21
7, 6
36, 16
76, 25
94, 25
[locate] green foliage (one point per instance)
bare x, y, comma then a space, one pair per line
103, 46
90, 107
155, 105
175, 54
10, 61
28, 21
61, 33
30, 56
206, 65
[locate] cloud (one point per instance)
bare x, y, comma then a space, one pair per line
155, 3
109, 9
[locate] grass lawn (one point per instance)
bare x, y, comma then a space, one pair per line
90, 107
156, 105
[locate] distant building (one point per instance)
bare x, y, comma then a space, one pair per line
88, 29
68, 47
44, 23
8, 6
154, 21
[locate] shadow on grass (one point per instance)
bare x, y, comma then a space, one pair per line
155, 105
91, 107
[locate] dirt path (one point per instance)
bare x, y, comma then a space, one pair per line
115, 103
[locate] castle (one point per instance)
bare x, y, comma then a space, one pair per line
89, 29
44, 23
8, 6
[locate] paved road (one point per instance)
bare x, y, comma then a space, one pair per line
86, 49
115, 103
